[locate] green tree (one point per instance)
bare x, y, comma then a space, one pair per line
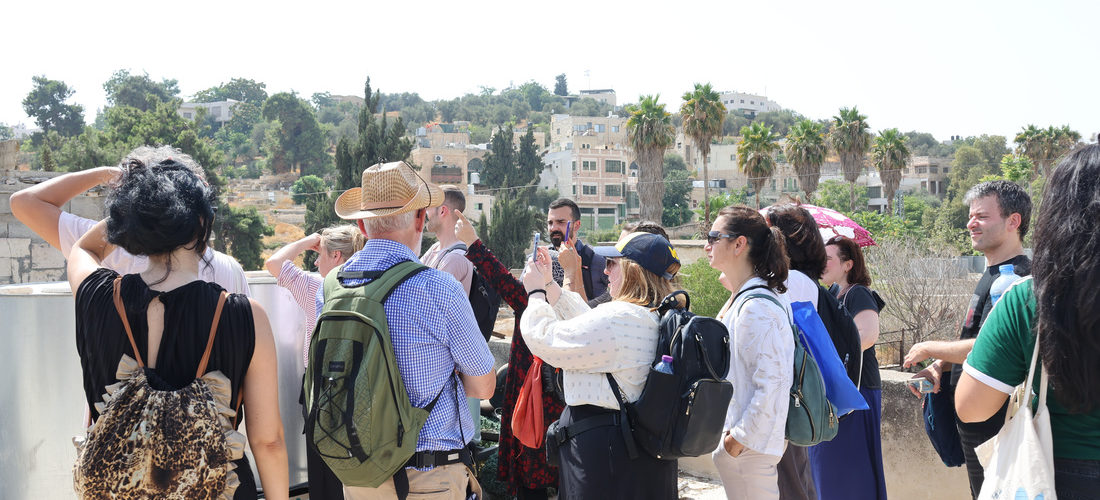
978, 158
48, 163
500, 165
238, 89
561, 88
587, 106
703, 114
139, 91
889, 154
528, 161
676, 201
46, 104
805, 150
835, 195
756, 155
1017, 169
5, 132
650, 132
309, 188
300, 140
701, 281
674, 161
850, 138
240, 233
780, 121
510, 232
739, 196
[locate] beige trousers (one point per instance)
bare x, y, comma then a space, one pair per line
441, 483
749, 476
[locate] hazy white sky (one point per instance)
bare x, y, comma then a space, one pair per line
945, 67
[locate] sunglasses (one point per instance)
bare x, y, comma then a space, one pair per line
714, 236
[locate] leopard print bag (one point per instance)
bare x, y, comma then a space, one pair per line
149, 443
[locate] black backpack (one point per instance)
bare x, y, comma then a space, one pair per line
682, 415
484, 300
843, 332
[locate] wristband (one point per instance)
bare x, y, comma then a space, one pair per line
538, 290
548, 283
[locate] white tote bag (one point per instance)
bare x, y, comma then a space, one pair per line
1019, 460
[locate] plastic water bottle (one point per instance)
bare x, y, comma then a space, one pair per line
1006, 279
665, 365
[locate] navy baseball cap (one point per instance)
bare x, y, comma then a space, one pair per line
651, 251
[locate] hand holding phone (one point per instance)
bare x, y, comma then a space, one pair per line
568, 229
535, 248
922, 385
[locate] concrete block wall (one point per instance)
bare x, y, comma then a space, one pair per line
24, 256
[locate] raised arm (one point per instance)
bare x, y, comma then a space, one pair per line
290, 251
87, 254
261, 403
39, 206
496, 273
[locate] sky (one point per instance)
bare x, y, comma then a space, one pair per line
945, 67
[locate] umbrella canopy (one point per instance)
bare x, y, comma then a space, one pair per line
832, 223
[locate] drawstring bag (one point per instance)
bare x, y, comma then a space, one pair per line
1019, 460
527, 418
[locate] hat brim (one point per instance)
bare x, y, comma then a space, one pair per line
349, 204
607, 252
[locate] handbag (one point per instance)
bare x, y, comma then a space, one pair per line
938, 409
1019, 460
527, 418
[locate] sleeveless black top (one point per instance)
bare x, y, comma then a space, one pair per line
188, 313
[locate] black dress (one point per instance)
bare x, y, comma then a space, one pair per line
188, 312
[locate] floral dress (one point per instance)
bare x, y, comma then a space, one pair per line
519, 466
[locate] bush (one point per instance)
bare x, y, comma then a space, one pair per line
701, 283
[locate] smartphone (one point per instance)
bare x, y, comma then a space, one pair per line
535, 247
568, 229
923, 385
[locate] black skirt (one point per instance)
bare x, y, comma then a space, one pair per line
595, 465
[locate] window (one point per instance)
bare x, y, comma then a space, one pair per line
574, 165
588, 189
742, 101
601, 127
613, 190
933, 170
588, 165
574, 190
586, 146
733, 157
874, 192
479, 206
946, 169
614, 128
615, 166
579, 128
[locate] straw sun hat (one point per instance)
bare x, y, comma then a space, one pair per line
388, 189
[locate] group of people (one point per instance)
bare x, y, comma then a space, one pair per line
149, 289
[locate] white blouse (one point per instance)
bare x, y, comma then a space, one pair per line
619, 338
761, 369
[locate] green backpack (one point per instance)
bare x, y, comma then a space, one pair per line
811, 418
358, 415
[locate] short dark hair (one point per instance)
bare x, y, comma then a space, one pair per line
454, 198
566, 202
848, 250
646, 226
158, 208
805, 246
1011, 197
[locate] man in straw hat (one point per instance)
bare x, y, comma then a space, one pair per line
432, 328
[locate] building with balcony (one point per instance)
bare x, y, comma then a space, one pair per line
747, 104
221, 111
603, 182
566, 132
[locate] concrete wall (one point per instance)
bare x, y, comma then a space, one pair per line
24, 256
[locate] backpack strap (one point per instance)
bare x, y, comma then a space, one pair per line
125, 321
624, 419
213, 331
770, 298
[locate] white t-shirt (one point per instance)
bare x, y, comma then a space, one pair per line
800, 288
215, 267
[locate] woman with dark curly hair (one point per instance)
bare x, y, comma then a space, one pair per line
149, 332
1060, 306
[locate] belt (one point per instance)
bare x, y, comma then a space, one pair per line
425, 459
577, 428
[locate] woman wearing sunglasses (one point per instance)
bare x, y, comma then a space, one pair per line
618, 338
754, 261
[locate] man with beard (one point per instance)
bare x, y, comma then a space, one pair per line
564, 213
1000, 212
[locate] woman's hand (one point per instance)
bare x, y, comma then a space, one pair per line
537, 273
465, 231
733, 447
568, 258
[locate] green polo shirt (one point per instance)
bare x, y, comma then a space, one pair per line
1001, 359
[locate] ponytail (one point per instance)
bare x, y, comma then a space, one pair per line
774, 264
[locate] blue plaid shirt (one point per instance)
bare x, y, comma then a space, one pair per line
434, 332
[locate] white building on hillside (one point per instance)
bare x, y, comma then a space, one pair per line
748, 104
221, 111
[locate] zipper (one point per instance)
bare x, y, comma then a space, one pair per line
797, 404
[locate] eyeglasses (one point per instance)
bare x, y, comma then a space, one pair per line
714, 236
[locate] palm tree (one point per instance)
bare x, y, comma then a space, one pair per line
1029, 144
805, 150
703, 114
650, 132
889, 154
850, 139
756, 155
